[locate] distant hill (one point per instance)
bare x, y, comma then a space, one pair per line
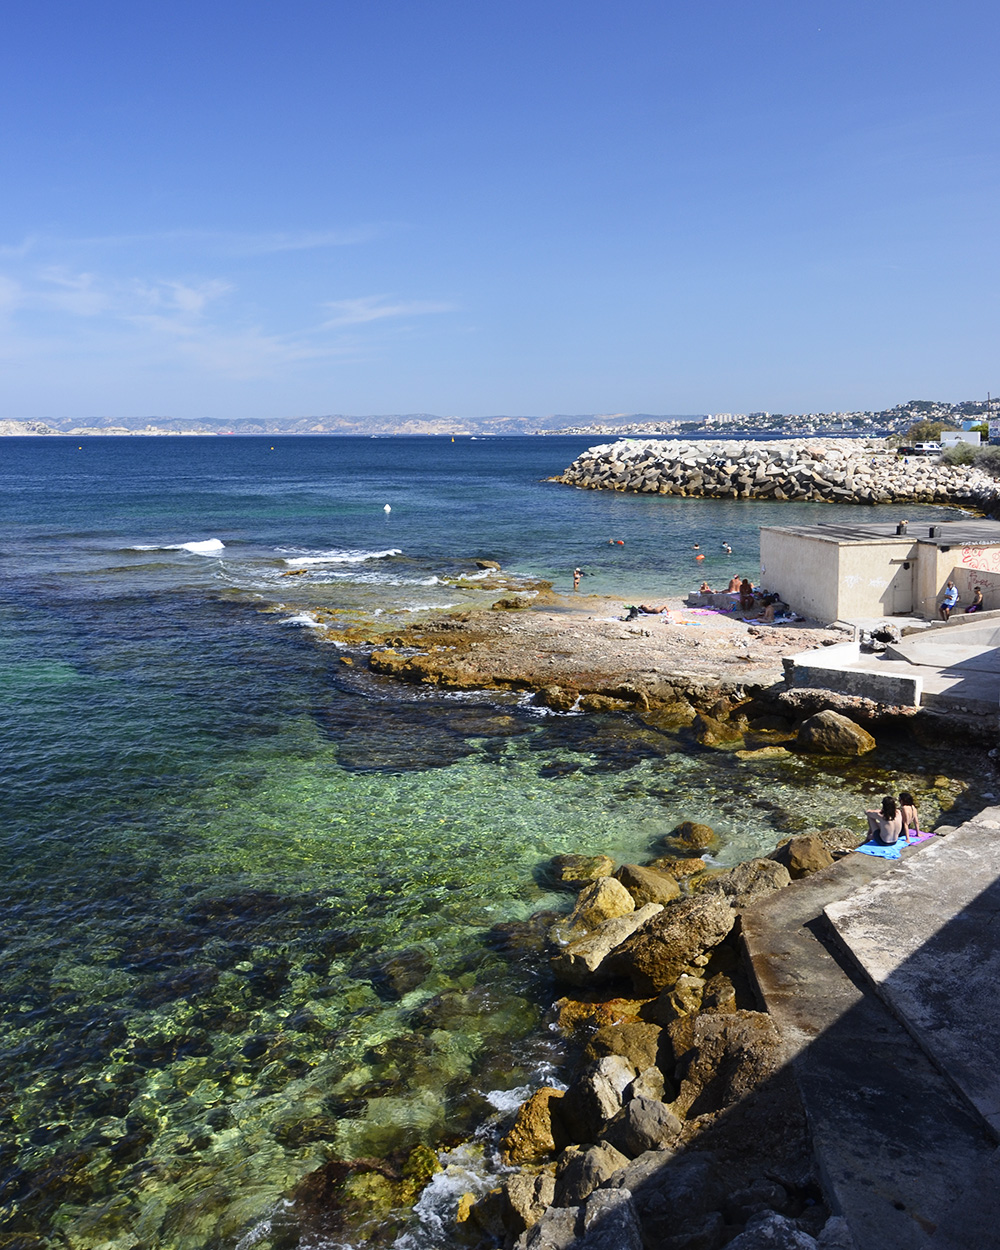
394, 423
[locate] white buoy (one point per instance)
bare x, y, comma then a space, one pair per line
387, 508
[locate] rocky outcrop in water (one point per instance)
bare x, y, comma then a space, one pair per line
833, 470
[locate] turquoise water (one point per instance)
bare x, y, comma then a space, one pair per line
250, 894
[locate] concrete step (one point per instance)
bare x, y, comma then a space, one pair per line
927, 935
895, 1142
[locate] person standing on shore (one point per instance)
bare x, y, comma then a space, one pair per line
949, 600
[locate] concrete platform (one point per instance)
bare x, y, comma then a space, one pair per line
927, 934
896, 1143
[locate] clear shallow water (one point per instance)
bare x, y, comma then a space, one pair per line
248, 892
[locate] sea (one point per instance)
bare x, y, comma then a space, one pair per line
258, 903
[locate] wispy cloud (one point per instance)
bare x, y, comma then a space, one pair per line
208, 242
353, 312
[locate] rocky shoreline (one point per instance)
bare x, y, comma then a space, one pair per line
827, 470
679, 1127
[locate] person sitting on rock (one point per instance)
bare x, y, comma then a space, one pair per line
746, 595
885, 825
705, 589
734, 585
949, 600
908, 810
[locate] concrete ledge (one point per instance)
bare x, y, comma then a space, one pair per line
834, 668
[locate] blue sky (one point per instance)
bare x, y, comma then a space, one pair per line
229, 210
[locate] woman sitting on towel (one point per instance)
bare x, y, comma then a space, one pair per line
887, 824
911, 817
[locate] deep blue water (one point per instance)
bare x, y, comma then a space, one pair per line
247, 891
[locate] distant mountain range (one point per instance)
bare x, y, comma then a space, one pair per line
395, 423
619, 424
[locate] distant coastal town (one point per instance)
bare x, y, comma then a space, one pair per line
868, 424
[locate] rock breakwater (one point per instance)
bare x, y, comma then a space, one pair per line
827, 470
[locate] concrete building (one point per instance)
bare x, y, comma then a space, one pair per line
849, 572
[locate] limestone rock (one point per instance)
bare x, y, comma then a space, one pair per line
610, 1221
537, 1130
830, 733
807, 854
714, 733
556, 697
639, 1043
696, 836
748, 882
527, 1194
570, 870
719, 995
656, 956
603, 899
648, 1084
595, 1096
675, 1197
582, 960
487, 564
580, 1171
647, 885
556, 1230
679, 869
643, 1124
772, 1232
723, 1058
677, 1000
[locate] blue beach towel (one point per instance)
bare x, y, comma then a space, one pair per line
882, 850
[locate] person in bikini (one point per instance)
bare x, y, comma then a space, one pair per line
887, 824
909, 813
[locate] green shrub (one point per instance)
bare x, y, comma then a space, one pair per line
961, 453
987, 459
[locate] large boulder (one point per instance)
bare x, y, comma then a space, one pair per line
664, 948
771, 1231
537, 1130
526, 1195
582, 960
675, 1195
803, 855
556, 1230
647, 885
595, 1096
610, 1221
580, 1171
830, 733
677, 1000
603, 899
641, 1125
722, 1058
638, 1042
748, 882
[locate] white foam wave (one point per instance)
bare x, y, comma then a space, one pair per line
430, 607
205, 547
305, 619
344, 557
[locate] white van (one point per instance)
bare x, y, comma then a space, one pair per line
927, 449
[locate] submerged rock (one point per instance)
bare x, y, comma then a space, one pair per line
697, 836
571, 870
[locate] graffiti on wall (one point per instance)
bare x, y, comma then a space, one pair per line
985, 558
